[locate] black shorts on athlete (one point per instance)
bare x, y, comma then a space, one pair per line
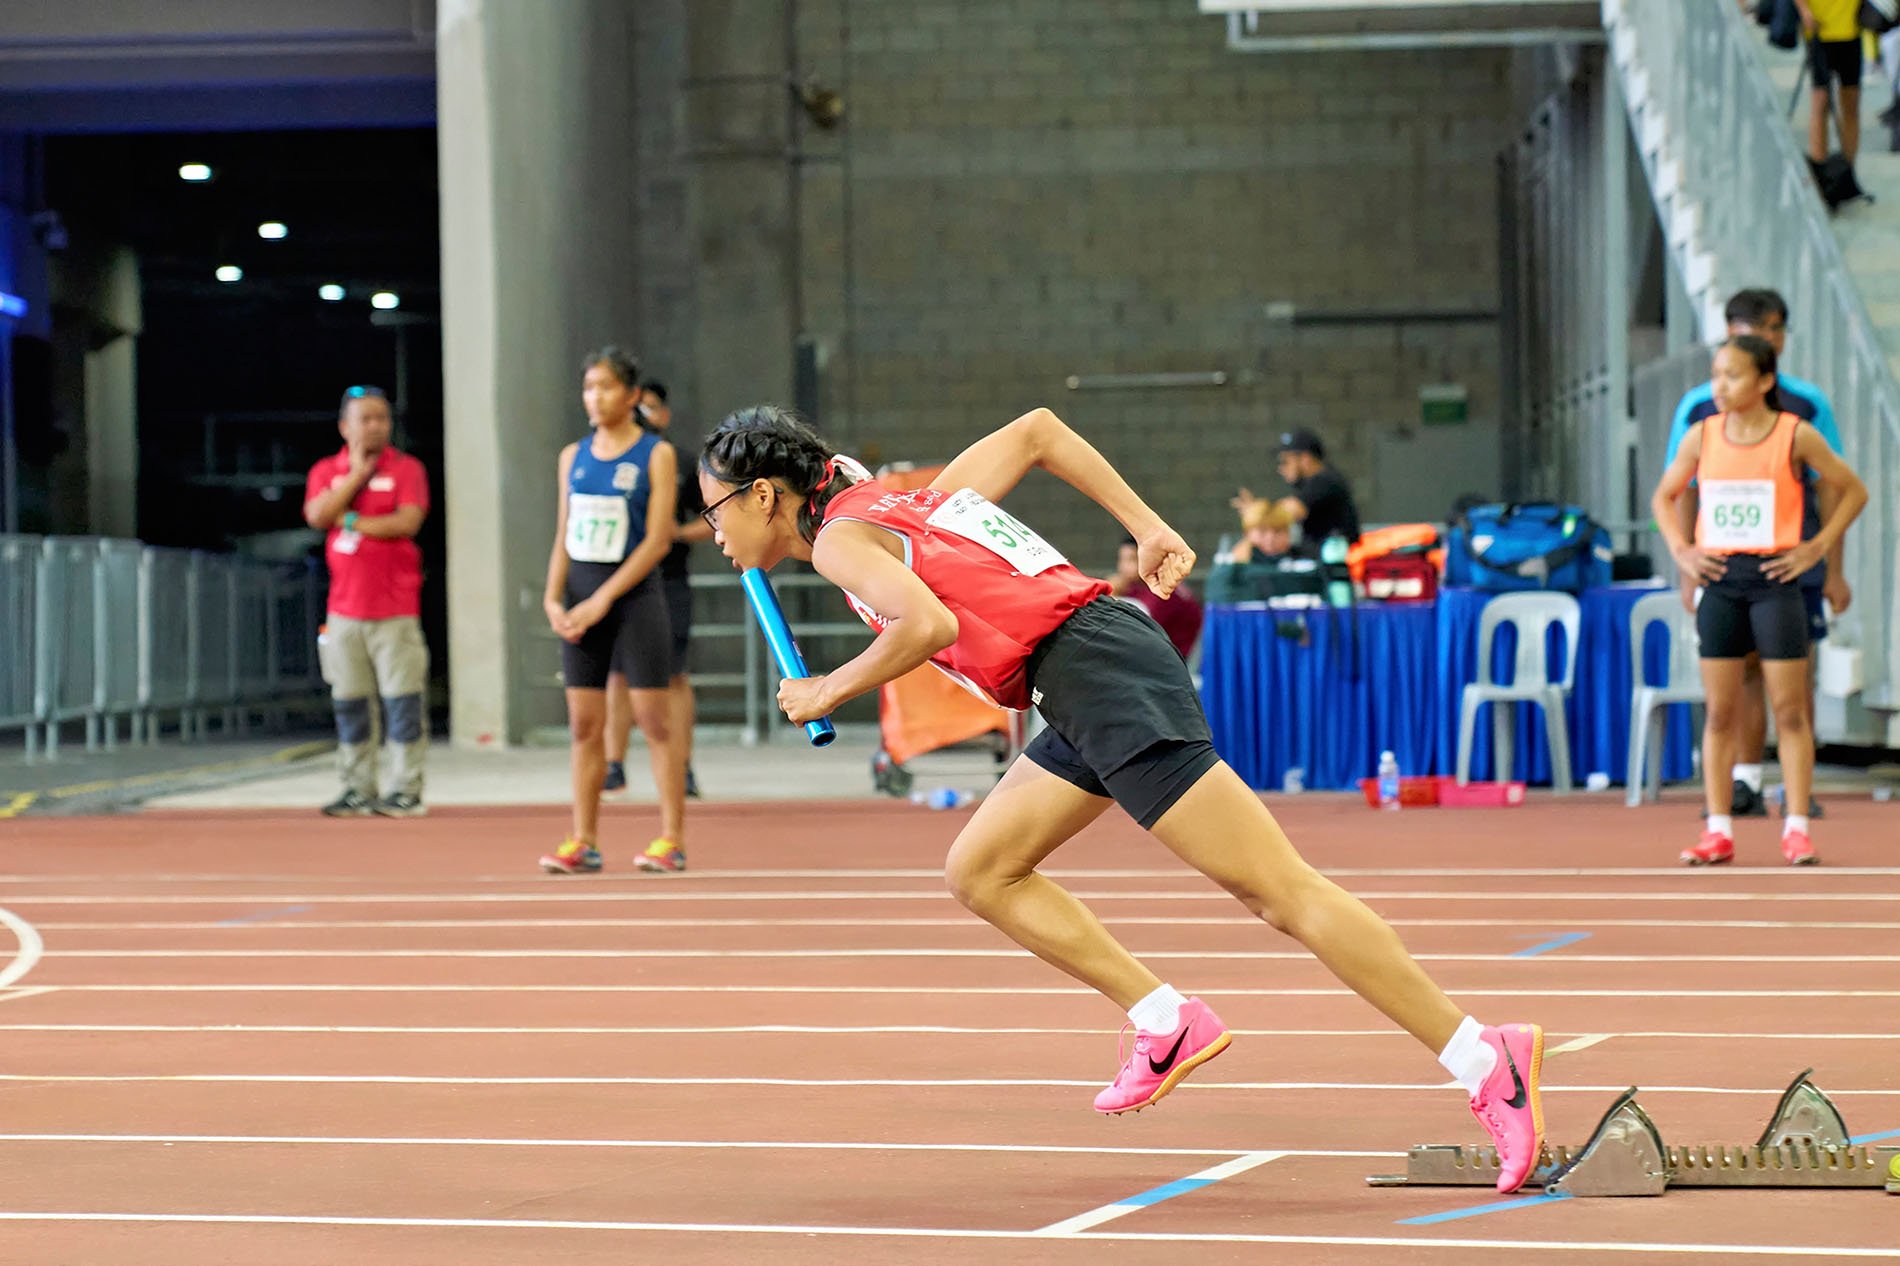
679, 611
1746, 611
1834, 59
1124, 720
635, 637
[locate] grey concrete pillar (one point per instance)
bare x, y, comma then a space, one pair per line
742, 138
535, 115
112, 406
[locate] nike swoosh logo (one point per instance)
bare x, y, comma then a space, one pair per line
1168, 1063
1519, 1099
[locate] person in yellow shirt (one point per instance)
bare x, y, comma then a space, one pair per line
1832, 28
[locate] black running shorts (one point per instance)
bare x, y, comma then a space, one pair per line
1124, 720
1745, 611
635, 636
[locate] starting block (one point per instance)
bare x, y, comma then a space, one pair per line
1805, 1145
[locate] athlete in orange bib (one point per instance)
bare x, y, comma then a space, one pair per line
1748, 463
947, 576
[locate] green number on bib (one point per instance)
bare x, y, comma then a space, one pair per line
1001, 534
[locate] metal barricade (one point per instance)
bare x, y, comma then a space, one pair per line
115, 617
253, 638
166, 623
214, 641
19, 572
63, 659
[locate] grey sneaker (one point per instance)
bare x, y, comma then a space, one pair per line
401, 805
351, 804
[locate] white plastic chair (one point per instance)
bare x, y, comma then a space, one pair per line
1531, 614
1684, 685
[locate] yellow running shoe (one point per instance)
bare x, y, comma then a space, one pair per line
662, 857
574, 857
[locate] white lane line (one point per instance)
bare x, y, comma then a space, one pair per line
30, 948
1672, 873
1155, 1195
1013, 991
30, 991
1581, 1042
657, 890
419, 1079
931, 1233
967, 921
904, 953
711, 1145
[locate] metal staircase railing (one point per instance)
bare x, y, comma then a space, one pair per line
1733, 194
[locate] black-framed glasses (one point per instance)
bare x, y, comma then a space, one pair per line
711, 513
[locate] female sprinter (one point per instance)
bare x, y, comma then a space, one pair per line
946, 576
1749, 463
613, 525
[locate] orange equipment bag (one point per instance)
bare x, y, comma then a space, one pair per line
1413, 537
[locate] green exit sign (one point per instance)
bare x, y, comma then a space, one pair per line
1443, 404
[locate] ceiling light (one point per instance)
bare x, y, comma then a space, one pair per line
195, 173
230, 272
331, 293
385, 300
273, 231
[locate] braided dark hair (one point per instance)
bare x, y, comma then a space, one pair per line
771, 442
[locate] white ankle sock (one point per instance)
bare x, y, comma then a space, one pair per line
1795, 822
1467, 1057
1748, 774
1722, 824
1159, 1012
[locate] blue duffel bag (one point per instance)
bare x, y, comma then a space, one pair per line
1529, 545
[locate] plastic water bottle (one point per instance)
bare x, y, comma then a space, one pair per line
1332, 552
942, 798
1294, 782
1388, 781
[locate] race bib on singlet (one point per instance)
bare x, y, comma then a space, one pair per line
969, 515
597, 528
1738, 514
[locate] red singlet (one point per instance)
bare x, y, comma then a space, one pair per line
1008, 588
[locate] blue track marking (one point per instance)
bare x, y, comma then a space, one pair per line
1167, 1191
1555, 942
264, 915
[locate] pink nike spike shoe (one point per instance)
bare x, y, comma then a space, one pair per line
1161, 1060
1509, 1106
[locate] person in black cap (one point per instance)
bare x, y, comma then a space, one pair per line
1321, 503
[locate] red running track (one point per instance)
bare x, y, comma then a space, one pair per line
279, 1038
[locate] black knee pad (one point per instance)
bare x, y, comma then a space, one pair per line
352, 720
402, 715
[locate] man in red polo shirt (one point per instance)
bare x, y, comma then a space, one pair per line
371, 499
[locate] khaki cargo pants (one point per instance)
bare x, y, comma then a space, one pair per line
364, 660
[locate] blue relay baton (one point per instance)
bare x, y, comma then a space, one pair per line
778, 635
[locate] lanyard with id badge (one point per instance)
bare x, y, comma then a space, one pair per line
972, 516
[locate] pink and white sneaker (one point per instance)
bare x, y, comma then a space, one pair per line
1161, 1060
1509, 1106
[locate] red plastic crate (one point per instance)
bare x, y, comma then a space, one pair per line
1480, 795
1414, 793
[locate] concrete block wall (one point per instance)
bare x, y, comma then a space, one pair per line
1043, 188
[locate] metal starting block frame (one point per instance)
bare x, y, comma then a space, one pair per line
1805, 1145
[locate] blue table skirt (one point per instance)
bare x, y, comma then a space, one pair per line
1325, 690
